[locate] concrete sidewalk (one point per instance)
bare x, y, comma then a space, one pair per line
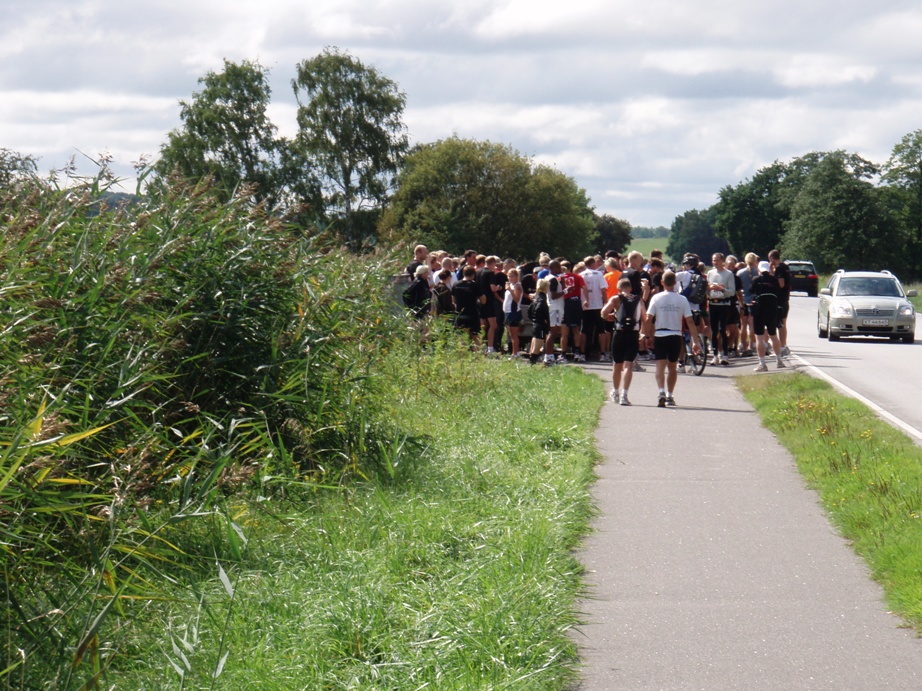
713, 567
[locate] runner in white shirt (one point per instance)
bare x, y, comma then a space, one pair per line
592, 319
665, 315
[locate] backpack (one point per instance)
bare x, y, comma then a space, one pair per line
411, 294
697, 289
533, 310
626, 318
443, 299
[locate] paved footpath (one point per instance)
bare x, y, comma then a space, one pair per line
711, 566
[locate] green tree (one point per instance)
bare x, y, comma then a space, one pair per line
227, 135
839, 219
350, 123
459, 193
612, 234
558, 218
903, 175
749, 216
695, 231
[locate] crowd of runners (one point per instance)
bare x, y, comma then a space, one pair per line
618, 309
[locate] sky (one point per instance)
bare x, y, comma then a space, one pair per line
652, 106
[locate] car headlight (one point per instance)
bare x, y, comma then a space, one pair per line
906, 311
842, 309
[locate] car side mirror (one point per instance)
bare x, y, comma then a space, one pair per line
825, 291
911, 293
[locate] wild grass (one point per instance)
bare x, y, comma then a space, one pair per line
226, 461
868, 476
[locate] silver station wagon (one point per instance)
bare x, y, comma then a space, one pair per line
865, 303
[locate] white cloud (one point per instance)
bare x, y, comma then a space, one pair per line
652, 106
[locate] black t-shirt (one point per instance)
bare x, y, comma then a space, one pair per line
635, 276
467, 298
485, 278
500, 279
528, 287
783, 272
765, 290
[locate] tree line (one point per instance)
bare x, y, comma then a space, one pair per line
350, 168
835, 208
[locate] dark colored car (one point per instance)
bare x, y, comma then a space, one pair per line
803, 277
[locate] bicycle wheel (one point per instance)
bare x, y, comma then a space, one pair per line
697, 363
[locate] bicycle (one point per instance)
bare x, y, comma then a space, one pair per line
695, 364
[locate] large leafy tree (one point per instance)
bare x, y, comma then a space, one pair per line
226, 134
350, 123
749, 216
558, 218
839, 219
459, 193
695, 231
903, 175
612, 234
752, 216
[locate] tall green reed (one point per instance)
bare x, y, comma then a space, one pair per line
155, 359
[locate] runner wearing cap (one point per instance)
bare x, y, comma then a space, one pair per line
765, 291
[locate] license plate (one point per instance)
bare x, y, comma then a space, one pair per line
875, 322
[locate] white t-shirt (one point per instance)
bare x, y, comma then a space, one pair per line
724, 278
595, 284
669, 309
509, 300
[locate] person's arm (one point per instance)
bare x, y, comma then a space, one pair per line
648, 322
608, 311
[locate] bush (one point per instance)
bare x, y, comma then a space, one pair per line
153, 358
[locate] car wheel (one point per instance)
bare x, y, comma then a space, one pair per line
909, 338
812, 294
820, 331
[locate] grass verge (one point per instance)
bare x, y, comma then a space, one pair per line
868, 476
452, 570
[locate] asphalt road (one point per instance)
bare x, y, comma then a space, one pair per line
712, 566
886, 374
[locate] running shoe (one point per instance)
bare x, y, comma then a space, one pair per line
724, 360
613, 396
716, 361
579, 358
680, 367
761, 368
561, 359
624, 400
639, 368
604, 357
785, 351
780, 365
661, 403
670, 401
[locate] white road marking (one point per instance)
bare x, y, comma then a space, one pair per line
848, 391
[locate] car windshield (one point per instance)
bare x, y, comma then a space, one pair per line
883, 287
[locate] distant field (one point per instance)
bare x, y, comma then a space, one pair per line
644, 245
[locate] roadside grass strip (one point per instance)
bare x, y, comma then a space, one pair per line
868, 476
452, 570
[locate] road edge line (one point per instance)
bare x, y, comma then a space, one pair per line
890, 417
